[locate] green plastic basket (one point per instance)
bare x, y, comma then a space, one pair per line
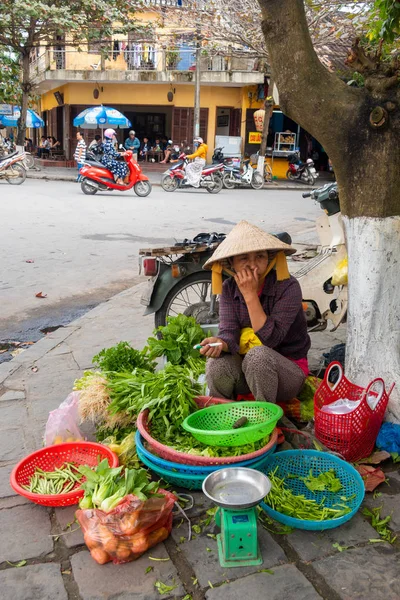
212, 426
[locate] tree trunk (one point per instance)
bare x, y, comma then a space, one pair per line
26, 87
359, 129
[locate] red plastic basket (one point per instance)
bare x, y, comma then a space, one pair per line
353, 434
47, 459
172, 455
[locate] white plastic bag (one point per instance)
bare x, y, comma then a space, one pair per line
62, 424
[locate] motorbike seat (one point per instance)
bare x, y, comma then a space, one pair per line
7, 156
283, 236
95, 163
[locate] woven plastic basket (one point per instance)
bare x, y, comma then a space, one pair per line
300, 462
50, 457
212, 426
187, 480
190, 459
191, 469
353, 434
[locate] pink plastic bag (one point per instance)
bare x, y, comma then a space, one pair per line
62, 424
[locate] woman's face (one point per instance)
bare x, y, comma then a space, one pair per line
251, 260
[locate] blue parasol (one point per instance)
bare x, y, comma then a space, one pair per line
32, 119
101, 116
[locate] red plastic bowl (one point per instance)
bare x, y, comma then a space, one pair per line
79, 453
172, 455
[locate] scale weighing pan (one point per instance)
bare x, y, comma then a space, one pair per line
236, 488
237, 491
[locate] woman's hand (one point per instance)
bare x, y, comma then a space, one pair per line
247, 282
213, 351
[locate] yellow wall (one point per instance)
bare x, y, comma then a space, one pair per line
149, 94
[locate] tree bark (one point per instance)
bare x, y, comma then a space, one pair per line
359, 128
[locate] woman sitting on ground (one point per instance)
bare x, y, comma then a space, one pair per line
263, 331
110, 155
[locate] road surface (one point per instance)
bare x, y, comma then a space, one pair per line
85, 248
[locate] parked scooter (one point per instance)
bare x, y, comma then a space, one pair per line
299, 171
180, 285
96, 177
12, 168
219, 157
237, 176
175, 177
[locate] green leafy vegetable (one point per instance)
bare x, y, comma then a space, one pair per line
17, 565
282, 499
325, 481
123, 357
163, 588
380, 524
175, 340
149, 569
105, 487
339, 548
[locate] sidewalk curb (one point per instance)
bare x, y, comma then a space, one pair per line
274, 186
50, 341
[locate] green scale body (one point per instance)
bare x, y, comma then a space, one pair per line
237, 542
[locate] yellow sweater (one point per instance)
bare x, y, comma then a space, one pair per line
201, 152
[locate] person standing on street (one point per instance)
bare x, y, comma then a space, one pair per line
80, 153
133, 143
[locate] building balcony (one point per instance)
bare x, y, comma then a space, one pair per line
144, 63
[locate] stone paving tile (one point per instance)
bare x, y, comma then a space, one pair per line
12, 395
311, 545
125, 582
205, 562
286, 583
12, 501
34, 582
361, 573
12, 444
64, 517
25, 533
5, 487
13, 413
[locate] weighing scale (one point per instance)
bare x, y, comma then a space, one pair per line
237, 491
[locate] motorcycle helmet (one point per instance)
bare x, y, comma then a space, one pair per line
199, 140
109, 133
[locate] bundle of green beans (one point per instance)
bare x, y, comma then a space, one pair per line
283, 500
59, 481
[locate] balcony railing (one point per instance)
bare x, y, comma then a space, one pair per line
142, 57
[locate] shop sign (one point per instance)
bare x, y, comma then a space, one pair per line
254, 137
6, 109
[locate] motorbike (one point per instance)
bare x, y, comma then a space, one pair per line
96, 177
178, 284
12, 168
219, 157
175, 177
236, 176
299, 171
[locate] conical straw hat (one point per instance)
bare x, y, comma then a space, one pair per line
244, 238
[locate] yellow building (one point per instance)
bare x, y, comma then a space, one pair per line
152, 84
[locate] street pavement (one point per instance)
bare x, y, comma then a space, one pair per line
80, 250
339, 564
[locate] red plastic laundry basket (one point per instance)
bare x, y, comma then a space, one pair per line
353, 434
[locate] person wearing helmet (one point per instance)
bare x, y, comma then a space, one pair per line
168, 151
194, 169
110, 156
132, 143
